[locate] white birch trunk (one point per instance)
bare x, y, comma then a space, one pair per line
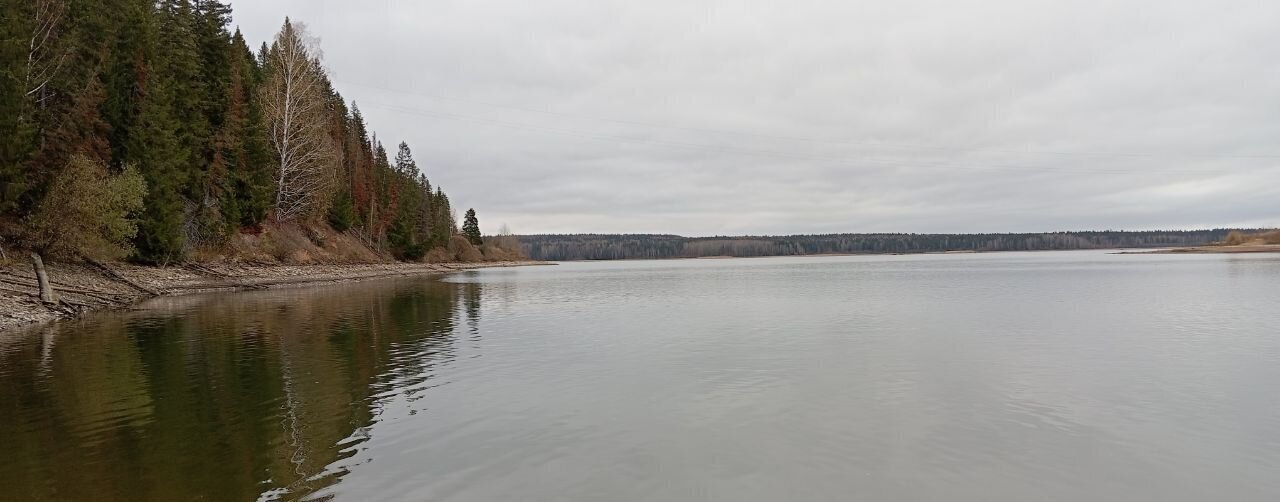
295, 103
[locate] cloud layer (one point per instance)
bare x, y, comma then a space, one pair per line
711, 117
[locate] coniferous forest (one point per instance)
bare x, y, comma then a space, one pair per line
149, 130
644, 246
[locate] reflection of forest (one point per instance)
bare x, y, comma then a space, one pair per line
216, 398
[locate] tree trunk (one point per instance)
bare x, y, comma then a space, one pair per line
46, 291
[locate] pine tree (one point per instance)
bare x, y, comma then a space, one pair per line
471, 228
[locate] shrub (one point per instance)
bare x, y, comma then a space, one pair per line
463, 251
1236, 238
87, 212
439, 255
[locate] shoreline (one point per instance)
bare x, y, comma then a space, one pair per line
83, 288
1237, 249
1116, 250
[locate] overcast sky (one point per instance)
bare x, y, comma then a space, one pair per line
713, 117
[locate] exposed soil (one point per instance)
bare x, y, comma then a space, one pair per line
85, 287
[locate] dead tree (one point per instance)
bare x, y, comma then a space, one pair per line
42, 278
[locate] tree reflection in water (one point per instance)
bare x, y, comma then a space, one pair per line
223, 397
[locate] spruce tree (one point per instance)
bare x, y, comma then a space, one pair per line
126, 71
153, 147
240, 169
442, 225
359, 164
178, 62
213, 183
403, 234
471, 228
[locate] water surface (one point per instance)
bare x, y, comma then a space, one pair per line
1013, 376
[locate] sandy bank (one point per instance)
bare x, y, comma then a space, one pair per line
82, 287
1243, 248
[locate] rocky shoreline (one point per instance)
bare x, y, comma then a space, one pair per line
84, 287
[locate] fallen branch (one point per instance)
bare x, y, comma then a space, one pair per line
101, 296
116, 275
206, 270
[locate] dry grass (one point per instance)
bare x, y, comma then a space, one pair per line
294, 244
1238, 238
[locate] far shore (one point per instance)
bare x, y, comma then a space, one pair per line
82, 288
1239, 249
896, 253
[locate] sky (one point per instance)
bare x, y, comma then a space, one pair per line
734, 117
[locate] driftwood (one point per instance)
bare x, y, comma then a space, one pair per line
116, 275
13, 290
59, 287
73, 303
206, 270
42, 279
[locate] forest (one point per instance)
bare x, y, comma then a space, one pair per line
647, 246
150, 130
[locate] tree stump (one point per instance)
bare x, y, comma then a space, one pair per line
46, 290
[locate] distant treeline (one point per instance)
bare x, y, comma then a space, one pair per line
645, 246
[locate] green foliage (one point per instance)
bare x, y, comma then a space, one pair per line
471, 228
240, 168
442, 224
87, 212
165, 86
154, 148
342, 213
408, 236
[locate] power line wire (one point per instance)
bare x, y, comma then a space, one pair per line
871, 144
758, 152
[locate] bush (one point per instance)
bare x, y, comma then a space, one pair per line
463, 251
439, 255
1236, 238
87, 212
413, 252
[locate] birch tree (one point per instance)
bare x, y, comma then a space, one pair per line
294, 101
43, 61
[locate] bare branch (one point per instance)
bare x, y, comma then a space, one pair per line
42, 64
294, 100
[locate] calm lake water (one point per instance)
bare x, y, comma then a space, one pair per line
1060, 376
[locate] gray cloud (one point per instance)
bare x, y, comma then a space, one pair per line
754, 116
